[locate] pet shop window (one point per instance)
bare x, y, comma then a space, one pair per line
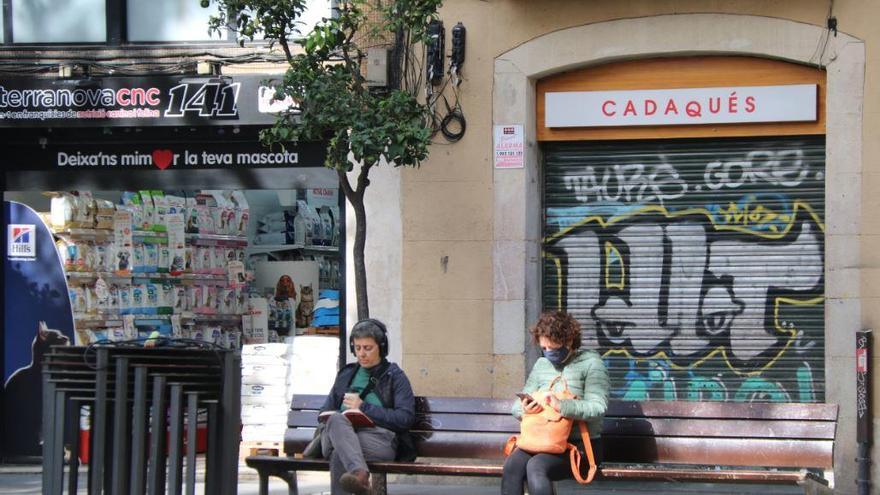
231, 251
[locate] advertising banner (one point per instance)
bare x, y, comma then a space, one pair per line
140, 101
37, 315
159, 155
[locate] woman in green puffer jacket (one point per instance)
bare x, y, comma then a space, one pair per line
559, 336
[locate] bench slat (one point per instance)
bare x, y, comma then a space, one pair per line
426, 404
719, 451
671, 409
432, 422
733, 410
679, 474
429, 444
738, 428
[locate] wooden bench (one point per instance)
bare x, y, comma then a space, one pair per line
671, 441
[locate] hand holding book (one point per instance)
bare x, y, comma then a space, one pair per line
356, 416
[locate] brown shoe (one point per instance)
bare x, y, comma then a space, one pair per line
356, 482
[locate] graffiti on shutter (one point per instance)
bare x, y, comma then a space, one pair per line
695, 267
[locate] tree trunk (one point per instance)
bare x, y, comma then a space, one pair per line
356, 199
360, 266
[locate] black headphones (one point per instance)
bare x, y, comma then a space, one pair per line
382, 340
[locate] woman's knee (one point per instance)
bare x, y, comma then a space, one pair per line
336, 420
537, 470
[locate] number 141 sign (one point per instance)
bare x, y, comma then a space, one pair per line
210, 99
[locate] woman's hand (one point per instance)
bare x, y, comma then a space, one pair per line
531, 407
352, 401
553, 402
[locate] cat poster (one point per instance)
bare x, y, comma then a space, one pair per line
37, 315
295, 281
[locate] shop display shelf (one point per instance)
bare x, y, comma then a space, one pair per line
84, 234
87, 277
116, 320
217, 240
274, 248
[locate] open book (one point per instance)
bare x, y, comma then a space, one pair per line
358, 419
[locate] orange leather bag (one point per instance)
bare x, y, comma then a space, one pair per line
547, 432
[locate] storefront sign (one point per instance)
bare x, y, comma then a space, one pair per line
233, 155
139, 101
742, 104
509, 148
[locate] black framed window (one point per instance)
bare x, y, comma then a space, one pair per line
57, 21
120, 22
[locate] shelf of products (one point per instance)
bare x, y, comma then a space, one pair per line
269, 248
149, 269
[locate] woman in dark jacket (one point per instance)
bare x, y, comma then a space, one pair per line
379, 389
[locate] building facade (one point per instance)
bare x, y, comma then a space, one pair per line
706, 259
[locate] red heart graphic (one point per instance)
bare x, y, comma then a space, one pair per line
162, 158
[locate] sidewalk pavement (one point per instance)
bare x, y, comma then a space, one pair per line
26, 480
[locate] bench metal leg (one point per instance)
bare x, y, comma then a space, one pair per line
264, 482
288, 476
812, 487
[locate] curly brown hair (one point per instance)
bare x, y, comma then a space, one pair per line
558, 326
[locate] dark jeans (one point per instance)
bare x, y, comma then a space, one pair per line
541, 470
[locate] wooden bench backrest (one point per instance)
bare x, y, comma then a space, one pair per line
725, 434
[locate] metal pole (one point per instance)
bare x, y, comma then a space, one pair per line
121, 437
863, 410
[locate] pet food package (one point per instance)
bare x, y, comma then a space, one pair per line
258, 310
224, 213
123, 244
138, 298
206, 210
176, 244
149, 209
328, 225
125, 293
80, 214
71, 255
160, 211
61, 211
218, 260
308, 226
150, 258
102, 295
242, 213
138, 261
104, 211
85, 209
132, 202
234, 339
192, 215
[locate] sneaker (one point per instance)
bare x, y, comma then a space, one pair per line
356, 482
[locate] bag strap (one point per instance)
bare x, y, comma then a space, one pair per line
576, 457
374, 379
559, 377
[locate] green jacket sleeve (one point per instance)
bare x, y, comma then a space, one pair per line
530, 386
595, 399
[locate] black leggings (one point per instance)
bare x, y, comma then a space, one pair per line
540, 470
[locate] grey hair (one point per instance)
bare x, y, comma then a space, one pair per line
368, 329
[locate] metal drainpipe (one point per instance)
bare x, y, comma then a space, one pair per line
863, 410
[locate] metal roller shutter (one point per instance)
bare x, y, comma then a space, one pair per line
696, 267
